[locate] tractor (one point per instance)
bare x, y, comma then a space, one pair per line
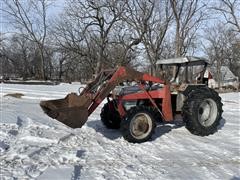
136, 101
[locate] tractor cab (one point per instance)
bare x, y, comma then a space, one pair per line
184, 70
184, 74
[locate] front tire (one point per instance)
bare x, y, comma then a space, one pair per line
139, 124
110, 117
202, 111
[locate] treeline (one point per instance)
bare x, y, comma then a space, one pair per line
87, 36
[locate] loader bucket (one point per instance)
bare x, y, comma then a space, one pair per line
71, 110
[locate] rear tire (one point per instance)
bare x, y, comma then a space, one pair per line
110, 117
202, 111
139, 124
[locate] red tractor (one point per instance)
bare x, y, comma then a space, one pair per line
136, 101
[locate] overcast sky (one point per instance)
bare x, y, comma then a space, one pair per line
54, 11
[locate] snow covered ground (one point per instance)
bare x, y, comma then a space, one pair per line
33, 146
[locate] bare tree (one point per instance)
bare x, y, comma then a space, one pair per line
157, 27
21, 51
138, 17
20, 55
30, 19
121, 51
230, 10
219, 48
188, 15
74, 43
98, 35
130, 31
98, 19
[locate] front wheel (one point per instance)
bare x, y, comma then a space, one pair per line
110, 117
139, 124
202, 111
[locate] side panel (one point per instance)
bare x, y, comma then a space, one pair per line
179, 101
163, 94
167, 105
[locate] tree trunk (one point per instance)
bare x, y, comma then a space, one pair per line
177, 47
177, 41
100, 63
153, 70
60, 70
42, 66
25, 66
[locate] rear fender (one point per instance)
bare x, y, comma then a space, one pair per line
185, 89
183, 92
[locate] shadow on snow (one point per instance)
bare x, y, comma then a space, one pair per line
160, 130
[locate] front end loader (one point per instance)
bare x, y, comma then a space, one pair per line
136, 101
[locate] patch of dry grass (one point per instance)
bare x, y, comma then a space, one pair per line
16, 95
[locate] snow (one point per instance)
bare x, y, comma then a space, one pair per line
33, 146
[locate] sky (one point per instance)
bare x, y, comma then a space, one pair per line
54, 10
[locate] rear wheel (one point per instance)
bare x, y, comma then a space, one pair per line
202, 111
139, 124
110, 117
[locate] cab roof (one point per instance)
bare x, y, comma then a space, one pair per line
187, 60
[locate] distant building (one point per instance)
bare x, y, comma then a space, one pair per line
227, 78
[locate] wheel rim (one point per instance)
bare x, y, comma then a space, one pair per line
141, 125
207, 112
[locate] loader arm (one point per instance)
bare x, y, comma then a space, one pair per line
120, 75
74, 109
